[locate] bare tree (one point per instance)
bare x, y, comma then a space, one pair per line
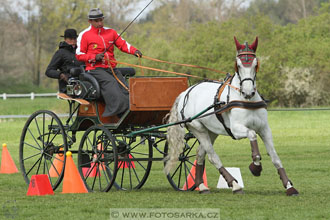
285, 11
12, 42
185, 12
119, 12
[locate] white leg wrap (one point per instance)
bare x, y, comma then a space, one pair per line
202, 187
257, 161
236, 187
288, 185
251, 135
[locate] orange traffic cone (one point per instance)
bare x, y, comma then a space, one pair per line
39, 186
57, 166
72, 182
7, 163
127, 164
191, 178
91, 171
101, 165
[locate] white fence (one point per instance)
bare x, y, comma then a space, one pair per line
31, 95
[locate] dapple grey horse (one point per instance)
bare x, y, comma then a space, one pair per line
238, 122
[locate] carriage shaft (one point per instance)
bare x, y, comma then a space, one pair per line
135, 133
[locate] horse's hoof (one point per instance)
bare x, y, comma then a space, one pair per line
255, 170
292, 192
205, 192
238, 192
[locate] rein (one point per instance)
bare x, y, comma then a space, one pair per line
167, 71
189, 65
115, 75
181, 64
159, 70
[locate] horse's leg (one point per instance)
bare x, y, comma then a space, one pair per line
240, 131
200, 165
231, 181
255, 167
266, 136
206, 139
199, 171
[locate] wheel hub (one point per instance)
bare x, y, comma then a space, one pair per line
49, 151
123, 149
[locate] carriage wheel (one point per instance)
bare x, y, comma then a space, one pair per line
97, 159
42, 147
181, 178
134, 161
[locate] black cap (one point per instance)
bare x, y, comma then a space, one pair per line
70, 33
95, 13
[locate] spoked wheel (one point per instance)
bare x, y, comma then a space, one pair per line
97, 160
134, 161
42, 147
181, 178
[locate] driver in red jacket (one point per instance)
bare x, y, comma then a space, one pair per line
95, 47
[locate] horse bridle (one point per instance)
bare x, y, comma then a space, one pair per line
246, 79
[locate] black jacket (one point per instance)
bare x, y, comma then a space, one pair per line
63, 60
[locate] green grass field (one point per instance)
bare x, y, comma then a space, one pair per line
302, 140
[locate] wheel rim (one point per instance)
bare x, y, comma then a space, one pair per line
181, 178
97, 159
42, 147
134, 161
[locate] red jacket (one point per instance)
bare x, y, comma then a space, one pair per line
93, 41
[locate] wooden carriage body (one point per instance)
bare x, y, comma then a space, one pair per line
151, 98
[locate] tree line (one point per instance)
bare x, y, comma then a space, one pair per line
293, 40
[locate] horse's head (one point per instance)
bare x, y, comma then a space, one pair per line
246, 67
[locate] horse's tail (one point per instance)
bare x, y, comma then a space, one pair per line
175, 138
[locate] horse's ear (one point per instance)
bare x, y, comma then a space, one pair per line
254, 45
238, 45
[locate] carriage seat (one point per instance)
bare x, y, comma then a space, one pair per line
84, 85
127, 72
75, 71
92, 87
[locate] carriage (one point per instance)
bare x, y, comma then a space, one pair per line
119, 151
112, 151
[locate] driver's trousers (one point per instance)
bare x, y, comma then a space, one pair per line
116, 97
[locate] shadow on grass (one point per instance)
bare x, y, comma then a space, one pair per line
169, 190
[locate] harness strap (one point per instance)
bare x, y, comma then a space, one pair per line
185, 100
243, 105
219, 109
221, 88
236, 104
220, 118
